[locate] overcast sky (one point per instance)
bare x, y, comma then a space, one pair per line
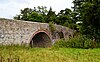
9, 8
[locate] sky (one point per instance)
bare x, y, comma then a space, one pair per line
9, 8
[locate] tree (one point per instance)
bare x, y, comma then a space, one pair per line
40, 14
64, 18
24, 14
42, 10
89, 13
51, 16
76, 9
36, 15
91, 19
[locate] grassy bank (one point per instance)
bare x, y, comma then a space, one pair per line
26, 54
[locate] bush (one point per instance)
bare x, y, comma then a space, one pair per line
80, 41
52, 26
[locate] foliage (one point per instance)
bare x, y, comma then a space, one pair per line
80, 41
65, 18
24, 14
89, 13
40, 14
51, 16
36, 15
52, 26
91, 20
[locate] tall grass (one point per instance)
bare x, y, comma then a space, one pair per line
27, 54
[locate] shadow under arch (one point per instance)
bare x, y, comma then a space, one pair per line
61, 35
40, 39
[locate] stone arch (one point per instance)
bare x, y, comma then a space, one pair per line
61, 35
40, 39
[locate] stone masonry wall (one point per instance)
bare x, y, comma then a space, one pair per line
21, 32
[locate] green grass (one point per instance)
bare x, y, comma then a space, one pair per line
27, 54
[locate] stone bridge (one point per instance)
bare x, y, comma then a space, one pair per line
35, 34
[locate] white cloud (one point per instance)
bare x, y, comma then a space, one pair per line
9, 8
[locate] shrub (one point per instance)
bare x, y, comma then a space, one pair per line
52, 26
80, 41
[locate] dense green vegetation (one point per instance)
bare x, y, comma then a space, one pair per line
79, 41
41, 14
27, 54
89, 13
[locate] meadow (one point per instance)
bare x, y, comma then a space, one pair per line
28, 54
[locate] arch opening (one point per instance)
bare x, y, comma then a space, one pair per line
61, 35
41, 39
